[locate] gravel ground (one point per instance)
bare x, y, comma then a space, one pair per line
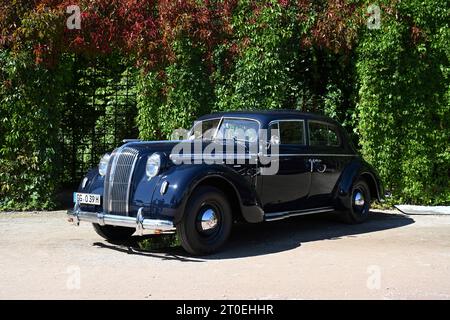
392, 256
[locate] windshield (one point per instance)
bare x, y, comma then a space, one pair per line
204, 130
238, 129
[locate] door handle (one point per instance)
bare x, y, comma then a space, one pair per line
313, 161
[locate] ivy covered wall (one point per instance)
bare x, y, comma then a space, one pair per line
403, 111
389, 86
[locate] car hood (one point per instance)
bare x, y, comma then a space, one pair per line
148, 147
191, 147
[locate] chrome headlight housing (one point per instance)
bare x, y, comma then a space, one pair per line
153, 165
103, 165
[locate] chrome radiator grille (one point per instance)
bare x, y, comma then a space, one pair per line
118, 181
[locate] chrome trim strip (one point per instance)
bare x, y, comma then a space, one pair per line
127, 204
112, 173
287, 214
216, 156
315, 154
241, 155
117, 167
155, 225
152, 141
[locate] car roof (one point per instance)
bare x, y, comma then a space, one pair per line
265, 116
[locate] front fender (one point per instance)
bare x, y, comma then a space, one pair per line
183, 179
95, 185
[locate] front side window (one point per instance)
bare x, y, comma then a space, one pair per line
323, 135
288, 132
238, 129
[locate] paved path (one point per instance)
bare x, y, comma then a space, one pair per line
391, 256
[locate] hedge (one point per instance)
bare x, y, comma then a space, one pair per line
388, 86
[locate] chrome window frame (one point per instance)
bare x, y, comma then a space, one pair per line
240, 118
290, 120
328, 124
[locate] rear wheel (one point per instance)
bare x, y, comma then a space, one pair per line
113, 233
359, 203
207, 221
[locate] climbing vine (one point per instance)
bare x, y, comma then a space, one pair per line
389, 86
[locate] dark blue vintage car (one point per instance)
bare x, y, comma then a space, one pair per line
234, 166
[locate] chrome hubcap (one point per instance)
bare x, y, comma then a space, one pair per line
208, 220
359, 199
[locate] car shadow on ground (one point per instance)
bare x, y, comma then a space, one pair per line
132, 247
248, 240
273, 237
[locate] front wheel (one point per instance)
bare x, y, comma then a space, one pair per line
359, 203
207, 221
113, 233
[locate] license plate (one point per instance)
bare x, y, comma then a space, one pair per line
86, 198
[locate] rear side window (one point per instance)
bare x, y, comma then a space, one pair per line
323, 135
290, 132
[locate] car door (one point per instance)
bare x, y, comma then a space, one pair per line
289, 187
239, 141
327, 159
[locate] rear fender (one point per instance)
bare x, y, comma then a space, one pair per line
355, 170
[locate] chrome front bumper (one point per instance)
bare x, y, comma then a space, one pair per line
139, 223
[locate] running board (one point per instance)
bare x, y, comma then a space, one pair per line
288, 214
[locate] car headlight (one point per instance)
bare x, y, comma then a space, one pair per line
153, 165
103, 165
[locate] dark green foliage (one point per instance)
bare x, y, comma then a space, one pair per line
389, 87
30, 111
403, 111
57, 122
188, 90
149, 102
263, 74
175, 96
